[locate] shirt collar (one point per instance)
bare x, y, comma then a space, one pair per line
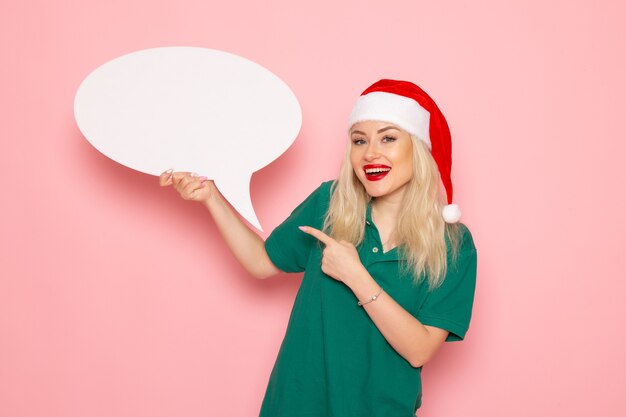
373, 238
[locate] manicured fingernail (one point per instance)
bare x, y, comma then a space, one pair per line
193, 174
169, 171
303, 228
202, 178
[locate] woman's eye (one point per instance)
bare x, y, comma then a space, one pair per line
389, 139
358, 141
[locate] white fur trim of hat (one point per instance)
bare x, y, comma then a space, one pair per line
402, 111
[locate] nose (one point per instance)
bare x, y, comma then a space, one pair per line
372, 151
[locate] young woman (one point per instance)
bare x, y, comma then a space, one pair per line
389, 274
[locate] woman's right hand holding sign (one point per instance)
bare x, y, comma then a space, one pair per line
189, 185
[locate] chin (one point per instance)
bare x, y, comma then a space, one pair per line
374, 191
377, 190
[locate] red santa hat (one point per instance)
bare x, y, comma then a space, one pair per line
409, 107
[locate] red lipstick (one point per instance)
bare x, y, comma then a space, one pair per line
376, 172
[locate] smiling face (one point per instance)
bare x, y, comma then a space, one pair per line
381, 157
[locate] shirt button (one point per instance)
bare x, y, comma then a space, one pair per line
375, 249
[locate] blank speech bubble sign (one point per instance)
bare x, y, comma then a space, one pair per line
191, 109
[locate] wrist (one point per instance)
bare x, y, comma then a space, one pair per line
361, 282
210, 203
213, 200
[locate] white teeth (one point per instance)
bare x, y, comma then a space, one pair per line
376, 170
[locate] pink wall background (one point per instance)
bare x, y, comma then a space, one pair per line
117, 298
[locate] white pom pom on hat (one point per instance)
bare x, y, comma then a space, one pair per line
410, 108
451, 213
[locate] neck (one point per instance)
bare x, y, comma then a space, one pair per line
386, 209
385, 213
388, 206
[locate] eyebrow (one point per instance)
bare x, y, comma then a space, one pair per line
380, 131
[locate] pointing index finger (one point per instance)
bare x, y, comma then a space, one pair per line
318, 234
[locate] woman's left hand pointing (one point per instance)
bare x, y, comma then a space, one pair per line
340, 259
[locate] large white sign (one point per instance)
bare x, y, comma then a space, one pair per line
191, 109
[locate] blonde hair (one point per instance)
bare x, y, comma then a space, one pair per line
420, 231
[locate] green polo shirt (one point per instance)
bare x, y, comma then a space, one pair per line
333, 361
